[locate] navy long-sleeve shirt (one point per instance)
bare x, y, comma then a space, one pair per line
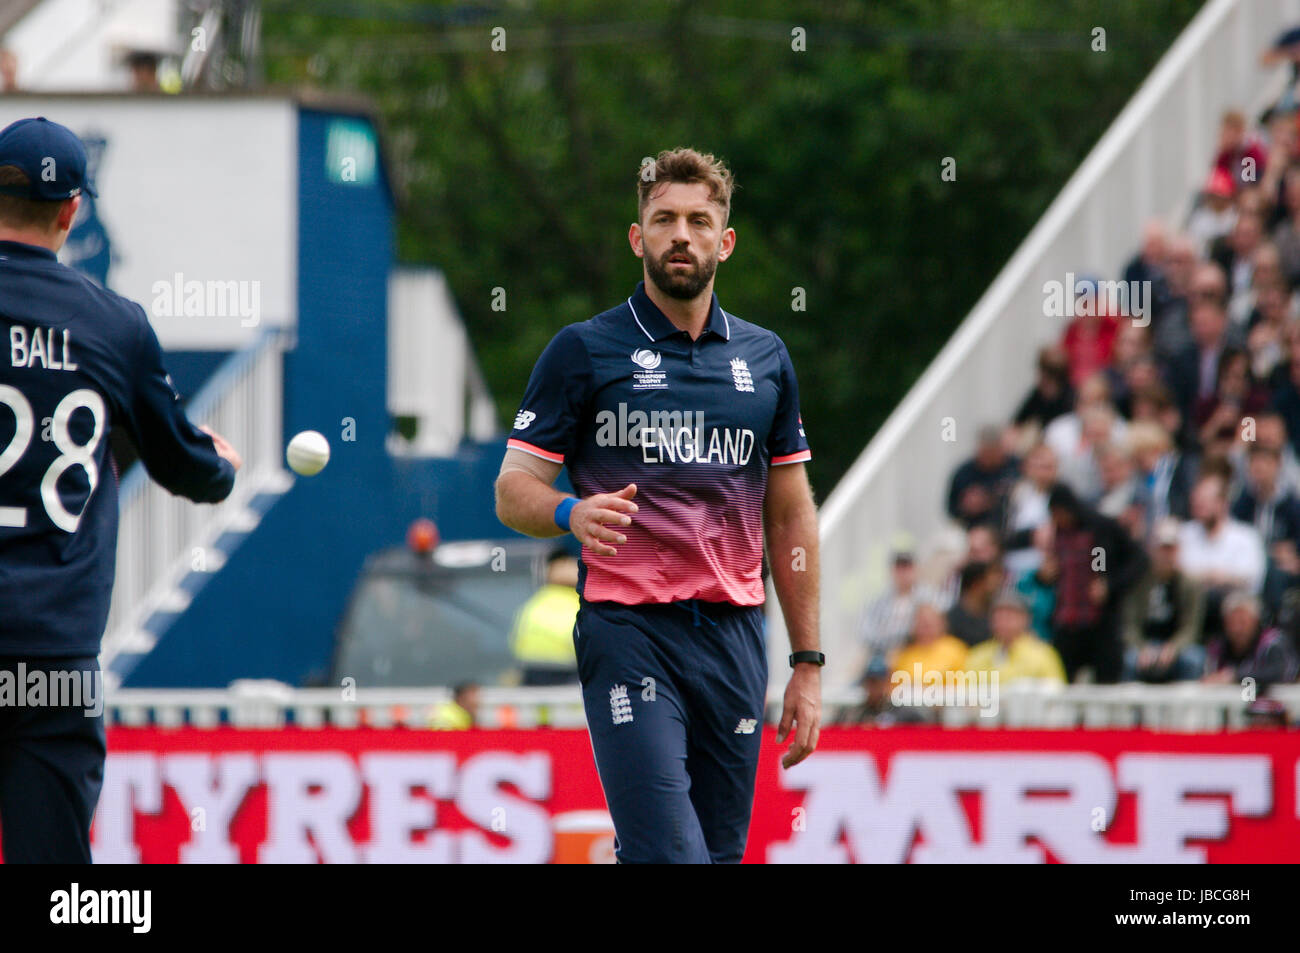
77, 361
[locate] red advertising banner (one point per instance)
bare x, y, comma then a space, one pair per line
916, 795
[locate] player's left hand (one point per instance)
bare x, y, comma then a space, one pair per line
223, 448
802, 710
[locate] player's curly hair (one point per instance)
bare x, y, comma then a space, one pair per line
687, 166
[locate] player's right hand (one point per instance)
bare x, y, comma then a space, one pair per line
590, 520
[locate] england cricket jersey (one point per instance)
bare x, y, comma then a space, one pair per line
77, 361
627, 397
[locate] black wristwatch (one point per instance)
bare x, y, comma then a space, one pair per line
817, 658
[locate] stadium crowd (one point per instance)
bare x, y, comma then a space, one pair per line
1139, 517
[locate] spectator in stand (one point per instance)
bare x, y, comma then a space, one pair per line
887, 621
1027, 507
1148, 265
1268, 271
1089, 339
1215, 213
979, 486
1241, 156
1220, 553
1170, 328
1142, 375
1193, 373
459, 714
1270, 433
1038, 587
1265, 502
877, 707
1253, 200
1082, 467
1286, 391
968, 619
931, 648
984, 545
1155, 404
1150, 402
1052, 395
1283, 139
1119, 489
1210, 465
1132, 350
1285, 49
1266, 339
1235, 254
1286, 235
1164, 475
1248, 650
143, 68
1216, 456
1097, 563
1065, 434
1268, 505
1162, 618
1236, 395
1014, 652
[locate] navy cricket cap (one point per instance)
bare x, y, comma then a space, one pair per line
51, 155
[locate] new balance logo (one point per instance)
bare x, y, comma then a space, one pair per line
746, 726
523, 419
620, 709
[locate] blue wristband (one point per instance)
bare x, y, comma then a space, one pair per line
563, 510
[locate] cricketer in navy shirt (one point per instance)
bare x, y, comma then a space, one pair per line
627, 397
679, 425
77, 361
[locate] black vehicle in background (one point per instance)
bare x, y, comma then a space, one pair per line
438, 617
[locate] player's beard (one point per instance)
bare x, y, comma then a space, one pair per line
685, 285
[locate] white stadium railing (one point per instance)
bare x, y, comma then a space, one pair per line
162, 538
433, 376
260, 704
1154, 156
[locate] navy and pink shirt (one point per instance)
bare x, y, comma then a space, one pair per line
627, 397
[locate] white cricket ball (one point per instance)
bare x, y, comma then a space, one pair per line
308, 453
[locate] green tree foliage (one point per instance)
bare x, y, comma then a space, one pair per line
518, 166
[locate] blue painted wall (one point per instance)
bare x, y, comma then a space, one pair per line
272, 610
190, 370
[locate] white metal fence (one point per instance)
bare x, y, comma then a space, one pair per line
257, 704
159, 534
1151, 159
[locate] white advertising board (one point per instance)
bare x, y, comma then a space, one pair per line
196, 217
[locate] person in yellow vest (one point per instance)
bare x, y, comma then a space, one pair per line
460, 713
542, 640
1015, 652
931, 646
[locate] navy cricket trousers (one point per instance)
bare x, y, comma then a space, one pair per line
51, 771
674, 695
